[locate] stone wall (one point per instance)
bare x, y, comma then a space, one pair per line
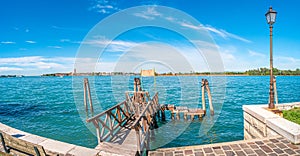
261, 123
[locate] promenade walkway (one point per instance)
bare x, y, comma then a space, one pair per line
276, 146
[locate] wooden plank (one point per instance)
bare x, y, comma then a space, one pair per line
100, 114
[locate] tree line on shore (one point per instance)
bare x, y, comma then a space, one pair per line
257, 72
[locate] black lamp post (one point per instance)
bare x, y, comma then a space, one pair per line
271, 17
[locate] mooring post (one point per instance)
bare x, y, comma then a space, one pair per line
203, 96
211, 108
178, 116
185, 116
155, 125
84, 95
89, 96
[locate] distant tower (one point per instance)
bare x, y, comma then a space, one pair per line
74, 72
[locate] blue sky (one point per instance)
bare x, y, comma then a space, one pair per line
44, 36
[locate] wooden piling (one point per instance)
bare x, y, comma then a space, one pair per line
211, 108
203, 95
84, 95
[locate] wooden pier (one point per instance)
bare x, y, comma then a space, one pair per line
126, 128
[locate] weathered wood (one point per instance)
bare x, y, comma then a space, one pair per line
21, 146
90, 97
203, 95
84, 95
211, 108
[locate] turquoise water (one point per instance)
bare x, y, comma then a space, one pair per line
46, 106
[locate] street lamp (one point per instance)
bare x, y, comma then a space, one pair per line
271, 17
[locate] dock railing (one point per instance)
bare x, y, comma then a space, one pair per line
109, 122
145, 122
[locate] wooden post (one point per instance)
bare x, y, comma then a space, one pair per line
203, 95
155, 125
172, 115
209, 98
192, 117
84, 95
163, 115
177, 116
185, 116
119, 114
275, 90
96, 124
90, 97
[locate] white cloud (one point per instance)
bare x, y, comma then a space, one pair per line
220, 32
65, 40
8, 42
35, 65
55, 47
104, 6
256, 54
283, 62
31, 42
113, 46
149, 14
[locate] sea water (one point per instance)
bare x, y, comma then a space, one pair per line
50, 106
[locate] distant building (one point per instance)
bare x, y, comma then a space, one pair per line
150, 72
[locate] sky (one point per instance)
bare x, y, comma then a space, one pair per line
38, 37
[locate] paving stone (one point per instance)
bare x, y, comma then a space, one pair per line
229, 153
281, 138
219, 151
240, 153
199, 154
266, 149
281, 145
208, 150
259, 142
248, 151
289, 151
271, 145
250, 143
187, 152
260, 152
235, 147
198, 150
159, 154
254, 146
285, 141
178, 152
278, 151
169, 154
292, 146
244, 146
226, 147
274, 140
